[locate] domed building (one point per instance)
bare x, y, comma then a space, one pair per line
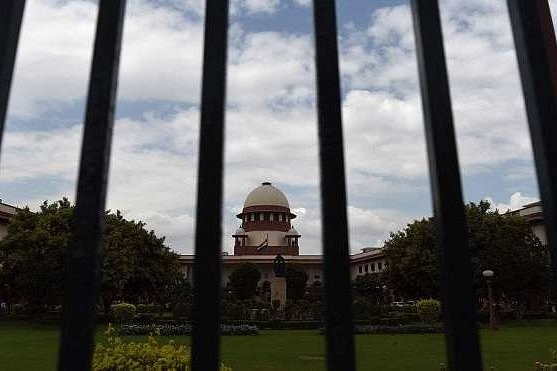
266, 227
266, 230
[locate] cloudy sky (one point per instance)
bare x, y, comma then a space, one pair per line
271, 130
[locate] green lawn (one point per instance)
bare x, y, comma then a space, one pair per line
513, 347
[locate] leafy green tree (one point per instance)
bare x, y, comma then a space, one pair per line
412, 269
243, 280
134, 262
296, 282
503, 243
32, 254
367, 283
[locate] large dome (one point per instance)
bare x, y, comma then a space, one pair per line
266, 195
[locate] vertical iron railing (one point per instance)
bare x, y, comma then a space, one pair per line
11, 14
206, 273
537, 56
82, 274
459, 314
338, 316
537, 61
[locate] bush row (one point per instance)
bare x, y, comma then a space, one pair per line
178, 329
405, 329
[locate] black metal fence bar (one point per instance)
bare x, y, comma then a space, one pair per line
537, 60
338, 311
463, 351
11, 14
82, 275
207, 272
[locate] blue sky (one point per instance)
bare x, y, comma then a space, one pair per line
271, 120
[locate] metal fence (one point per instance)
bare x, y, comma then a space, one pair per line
537, 56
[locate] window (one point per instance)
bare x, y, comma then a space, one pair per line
252, 217
280, 217
366, 268
373, 267
379, 266
360, 269
272, 216
261, 217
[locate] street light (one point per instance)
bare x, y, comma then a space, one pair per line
488, 274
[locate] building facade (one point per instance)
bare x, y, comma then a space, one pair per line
533, 213
6, 213
266, 230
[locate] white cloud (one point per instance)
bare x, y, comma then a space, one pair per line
161, 55
271, 122
303, 2
258, 6
516, 201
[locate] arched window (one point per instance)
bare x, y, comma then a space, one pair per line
252, 217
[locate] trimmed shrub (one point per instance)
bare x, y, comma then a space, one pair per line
123, 312
429, 310
149, 355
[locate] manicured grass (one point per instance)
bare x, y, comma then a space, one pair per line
513, 347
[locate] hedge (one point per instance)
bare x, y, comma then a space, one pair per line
178, 329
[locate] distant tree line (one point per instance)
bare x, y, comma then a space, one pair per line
503, 243
136, 265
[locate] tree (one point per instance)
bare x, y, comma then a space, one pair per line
412, 268
32, 255
244, 279
296, 282
135, 263
503, 243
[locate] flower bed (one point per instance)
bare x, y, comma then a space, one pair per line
174, 329
115, 354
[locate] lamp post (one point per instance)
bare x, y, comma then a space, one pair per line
488, 274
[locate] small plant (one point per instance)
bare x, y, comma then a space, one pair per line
123, 312
150, 355
428, 310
